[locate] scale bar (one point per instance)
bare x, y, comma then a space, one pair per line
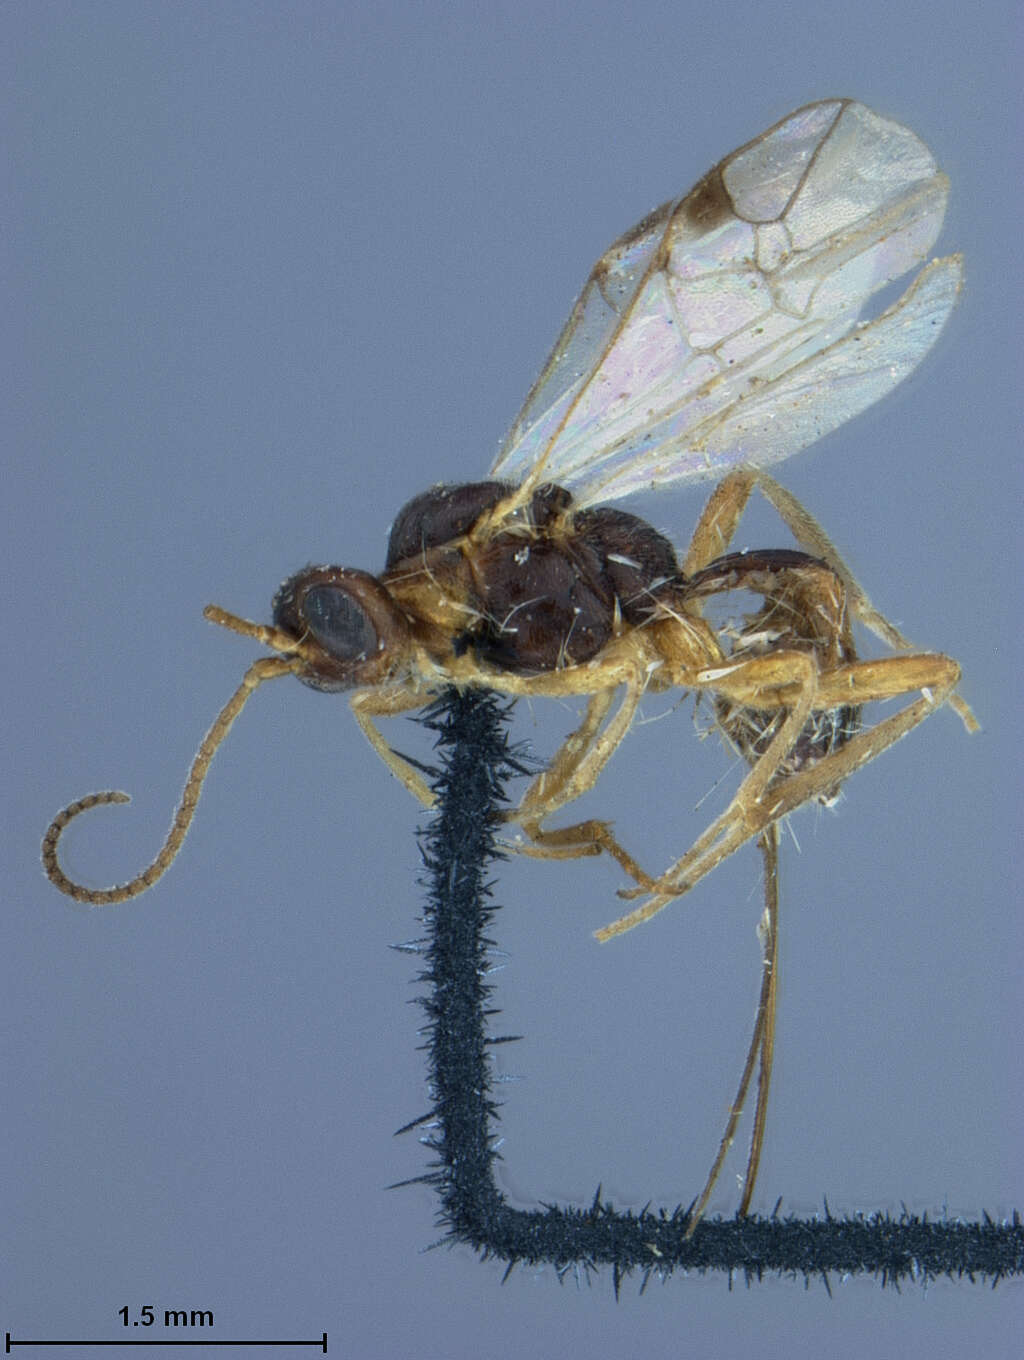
10, 1343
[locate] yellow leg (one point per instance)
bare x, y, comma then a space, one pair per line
368, 704
760, 802
762, 1043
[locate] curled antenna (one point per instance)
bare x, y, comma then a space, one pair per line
267, 668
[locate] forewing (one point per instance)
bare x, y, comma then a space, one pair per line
723, 329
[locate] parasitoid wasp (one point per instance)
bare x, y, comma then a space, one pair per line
717, 337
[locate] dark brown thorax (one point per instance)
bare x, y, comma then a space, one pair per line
550, 590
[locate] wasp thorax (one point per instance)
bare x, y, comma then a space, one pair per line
351, 630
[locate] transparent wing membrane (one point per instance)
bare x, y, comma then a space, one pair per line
724, 329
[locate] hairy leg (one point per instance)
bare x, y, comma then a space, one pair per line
762, 800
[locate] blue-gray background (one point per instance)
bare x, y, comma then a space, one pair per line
270, 270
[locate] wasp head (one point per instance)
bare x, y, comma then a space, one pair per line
352, 632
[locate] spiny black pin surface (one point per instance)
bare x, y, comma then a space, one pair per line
475, 762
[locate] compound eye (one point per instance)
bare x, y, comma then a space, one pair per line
339, 623
347, 628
